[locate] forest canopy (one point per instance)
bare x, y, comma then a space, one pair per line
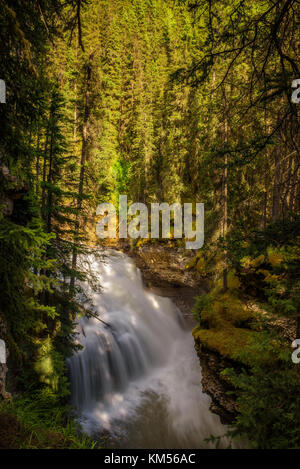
172, 101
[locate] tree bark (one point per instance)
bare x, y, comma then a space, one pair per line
84, 154
38, 161
225, 223
276, 187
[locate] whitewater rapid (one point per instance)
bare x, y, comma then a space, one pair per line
137, 377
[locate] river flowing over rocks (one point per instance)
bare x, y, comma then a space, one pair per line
137, 377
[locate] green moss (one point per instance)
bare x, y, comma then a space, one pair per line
229, 342
275, 257
247, 262
226, 308
201, 265
233, 284
191, 264
221, 308
227, 325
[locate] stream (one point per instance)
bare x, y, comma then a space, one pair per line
137, 377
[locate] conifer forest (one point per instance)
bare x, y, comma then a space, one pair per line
151, 122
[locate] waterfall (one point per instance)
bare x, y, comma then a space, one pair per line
139, 367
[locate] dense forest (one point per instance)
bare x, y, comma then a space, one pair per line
165, 101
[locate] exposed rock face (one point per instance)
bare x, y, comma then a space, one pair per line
212, 365
164, 272
12, 202
168, 266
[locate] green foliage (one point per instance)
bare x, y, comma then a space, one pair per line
21, 250
203, 303
37, 184
269, 406
268, 402
168, 101
268, 265
50, 367
44, 423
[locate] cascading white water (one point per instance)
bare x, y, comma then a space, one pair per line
139, 377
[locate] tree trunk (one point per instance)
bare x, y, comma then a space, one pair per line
276, 187
82, 172
225, 223
49, 180
37, 187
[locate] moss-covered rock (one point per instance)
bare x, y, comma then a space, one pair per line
229, 342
